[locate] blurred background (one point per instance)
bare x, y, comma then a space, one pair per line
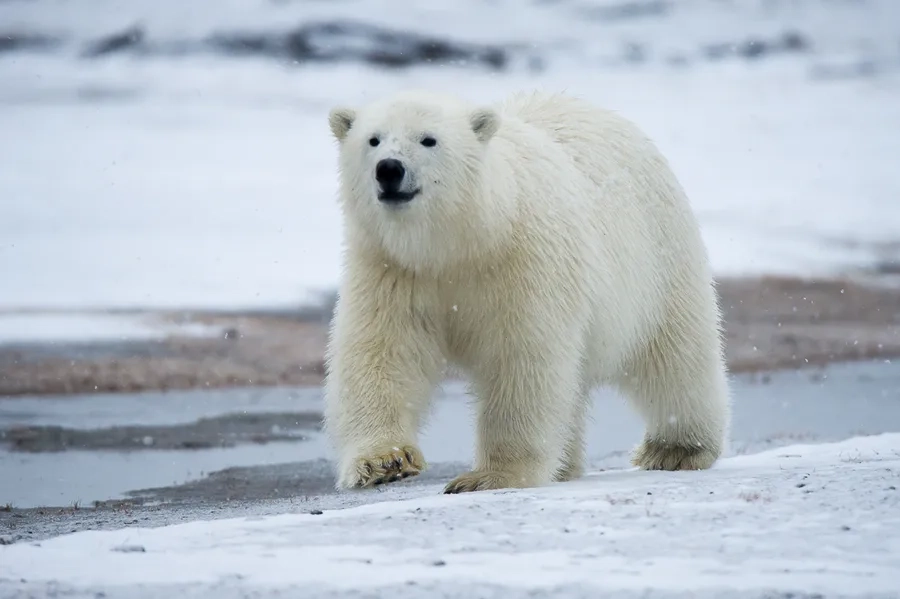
159, 154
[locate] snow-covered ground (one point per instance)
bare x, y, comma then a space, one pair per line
801, 519
87, 327
204, 180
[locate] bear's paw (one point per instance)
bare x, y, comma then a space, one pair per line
387, 465
484, 480
654, 454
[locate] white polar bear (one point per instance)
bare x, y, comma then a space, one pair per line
545, 247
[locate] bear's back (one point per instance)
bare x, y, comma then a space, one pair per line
628, 172
635, 212
599, 141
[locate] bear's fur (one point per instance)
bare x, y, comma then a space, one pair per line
547, 249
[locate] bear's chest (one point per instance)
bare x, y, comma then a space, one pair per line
473, 314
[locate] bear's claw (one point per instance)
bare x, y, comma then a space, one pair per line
391, 465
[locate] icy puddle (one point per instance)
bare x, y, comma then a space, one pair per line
174, 441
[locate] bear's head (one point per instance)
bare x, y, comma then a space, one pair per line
412, 176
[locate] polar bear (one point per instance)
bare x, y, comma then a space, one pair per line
544, 247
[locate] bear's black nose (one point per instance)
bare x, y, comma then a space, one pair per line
389, 174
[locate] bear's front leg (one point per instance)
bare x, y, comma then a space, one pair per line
525, 404
383, 363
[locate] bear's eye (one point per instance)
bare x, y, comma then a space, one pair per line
429, 142
374, 141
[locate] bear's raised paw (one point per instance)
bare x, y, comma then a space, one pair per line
385, 466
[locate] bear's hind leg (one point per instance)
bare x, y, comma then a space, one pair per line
679, 385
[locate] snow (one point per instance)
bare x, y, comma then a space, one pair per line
82, 327
569, 28
805, 518
210, 182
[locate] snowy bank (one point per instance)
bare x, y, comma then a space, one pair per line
61, 327
805, 519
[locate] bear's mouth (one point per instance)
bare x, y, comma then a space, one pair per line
397, 196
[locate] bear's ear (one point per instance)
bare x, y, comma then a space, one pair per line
485, 123
340, 120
